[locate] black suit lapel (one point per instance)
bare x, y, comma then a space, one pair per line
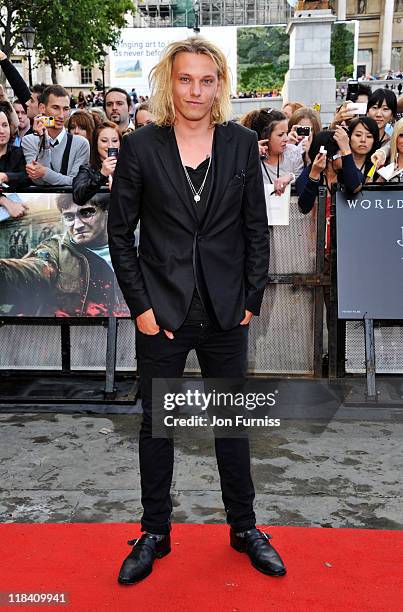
223, 164
167, 151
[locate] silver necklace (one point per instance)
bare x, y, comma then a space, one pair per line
197, 194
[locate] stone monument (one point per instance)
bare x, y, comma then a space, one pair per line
312, 5
311, 77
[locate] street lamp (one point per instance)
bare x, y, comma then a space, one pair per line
102, 62
28, 39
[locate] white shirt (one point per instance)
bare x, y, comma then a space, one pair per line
58, 138
291, 162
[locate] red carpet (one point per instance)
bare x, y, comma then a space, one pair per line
328, 570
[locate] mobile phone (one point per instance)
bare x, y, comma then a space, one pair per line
303, 130
113, 152
48, 121
358, 108
352, 91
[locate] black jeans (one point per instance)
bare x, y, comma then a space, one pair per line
221, 354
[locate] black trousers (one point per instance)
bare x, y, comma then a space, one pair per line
221, 354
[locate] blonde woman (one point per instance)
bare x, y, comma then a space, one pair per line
396, 153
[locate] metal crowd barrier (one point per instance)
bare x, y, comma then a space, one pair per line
287, 339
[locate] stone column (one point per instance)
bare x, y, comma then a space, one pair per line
341, 10
386, 49
311, 77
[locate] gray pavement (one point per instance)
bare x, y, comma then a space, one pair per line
340, 473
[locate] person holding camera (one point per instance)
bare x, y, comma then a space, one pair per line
282, 162
303, 125
332, 163
53, 155
357, 95
106, 143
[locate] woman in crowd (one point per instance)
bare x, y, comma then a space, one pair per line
142, 115
12, 161
82, 123
304, 117
99, 172
382, 107
281, 162
332, 163
12, 167
396, 153
364, 140
81, 100
290, 107
98, 115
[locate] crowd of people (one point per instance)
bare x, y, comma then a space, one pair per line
43, 141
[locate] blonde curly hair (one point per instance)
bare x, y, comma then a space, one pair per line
161, 100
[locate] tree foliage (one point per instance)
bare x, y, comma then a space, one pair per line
66, 30
262, 58
342, 50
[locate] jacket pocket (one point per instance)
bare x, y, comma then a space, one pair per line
237, 180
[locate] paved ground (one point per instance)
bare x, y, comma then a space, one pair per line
339, 473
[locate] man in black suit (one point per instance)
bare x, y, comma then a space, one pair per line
194, 181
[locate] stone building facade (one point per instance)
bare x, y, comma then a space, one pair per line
380, 40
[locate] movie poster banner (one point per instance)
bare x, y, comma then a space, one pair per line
54, 259
370, 254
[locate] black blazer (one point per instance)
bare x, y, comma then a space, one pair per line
13, 164
230, 248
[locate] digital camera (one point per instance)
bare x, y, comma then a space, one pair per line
303, 130
48, 121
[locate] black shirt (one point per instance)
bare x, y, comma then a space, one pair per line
197, 175
200, 308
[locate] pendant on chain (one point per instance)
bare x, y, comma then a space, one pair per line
196, 198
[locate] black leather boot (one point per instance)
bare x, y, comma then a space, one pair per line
139, 564
261, 553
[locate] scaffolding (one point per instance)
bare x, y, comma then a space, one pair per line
188, 13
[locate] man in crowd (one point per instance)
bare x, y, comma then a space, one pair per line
199, 277
117, 104
32, 103
68, 274
28, 98
53, 155
24, 124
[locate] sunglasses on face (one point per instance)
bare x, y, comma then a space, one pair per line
84, 214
